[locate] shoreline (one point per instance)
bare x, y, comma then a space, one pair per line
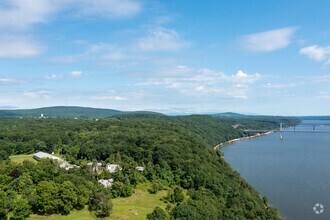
217, 147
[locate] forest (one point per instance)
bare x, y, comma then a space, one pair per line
177, 153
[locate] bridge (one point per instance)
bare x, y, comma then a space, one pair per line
310, 127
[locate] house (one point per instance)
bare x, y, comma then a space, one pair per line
141, 169
112, 168
106, 182
66, 165
63, 164
94, 167
42, 155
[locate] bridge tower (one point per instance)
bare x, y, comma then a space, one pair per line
281, 129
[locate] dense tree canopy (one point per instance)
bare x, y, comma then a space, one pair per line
176, 152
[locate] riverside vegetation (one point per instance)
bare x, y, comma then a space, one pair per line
176, 152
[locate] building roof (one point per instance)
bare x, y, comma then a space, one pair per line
42, 155
112, 167
106, 182
63, 163
139, 168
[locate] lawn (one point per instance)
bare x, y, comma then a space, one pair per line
21, 158
135, 207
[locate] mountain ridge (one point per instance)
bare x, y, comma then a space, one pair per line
69, 112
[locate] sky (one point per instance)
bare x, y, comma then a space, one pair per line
249, 56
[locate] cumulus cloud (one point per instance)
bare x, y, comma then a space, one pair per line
16, 46
316, 52
76, 74
162, 39
22, 14
269, 40
201, 82
244, 78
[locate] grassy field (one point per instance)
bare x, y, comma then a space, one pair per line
21, 158
135, 207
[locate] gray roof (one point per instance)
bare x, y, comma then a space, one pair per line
43, 155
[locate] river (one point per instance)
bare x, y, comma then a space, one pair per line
294, 173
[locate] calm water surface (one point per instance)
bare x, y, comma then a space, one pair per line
294, 173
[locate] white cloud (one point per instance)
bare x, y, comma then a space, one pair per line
5, 80
323, 96
203, 82
269, 40
37, 94
109, 8
162, 39
111, 95
15, 46
22, 14
114, 98
283, 85
316, 52
92, 52
76, 74
67, 59
115, 56
244, 78
54, 77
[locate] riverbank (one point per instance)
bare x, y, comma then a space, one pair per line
217, 147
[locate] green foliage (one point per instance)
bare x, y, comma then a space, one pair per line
175, 196
156, 186
47, 197
4, 155
120, 189
22, 209
6, 204
158, 214
100, 203
68, 197
175, 152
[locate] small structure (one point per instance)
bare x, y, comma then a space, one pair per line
139, 168
63, 164
106, 182
112, 168
95, 167
42, 155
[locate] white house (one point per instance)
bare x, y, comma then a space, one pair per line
112, 168
141, 169
43, 155
106, 182
94, 167
63, 164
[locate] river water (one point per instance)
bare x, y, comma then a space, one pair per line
294, 173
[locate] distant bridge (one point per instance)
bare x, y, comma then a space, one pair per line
312, 127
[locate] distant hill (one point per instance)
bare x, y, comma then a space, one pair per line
314, 117
68, 112
230, 115
265, 118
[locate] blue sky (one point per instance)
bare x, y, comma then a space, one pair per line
248, 56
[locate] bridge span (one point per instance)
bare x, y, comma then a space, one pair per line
310, 127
